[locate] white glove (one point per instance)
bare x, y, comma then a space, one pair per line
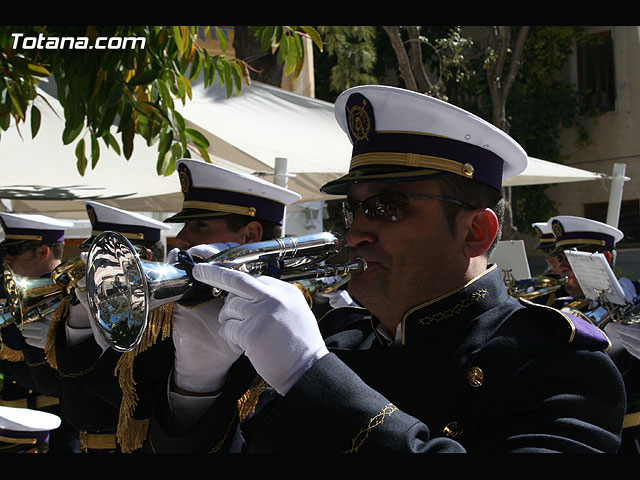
268, 319
202, 357
35, 333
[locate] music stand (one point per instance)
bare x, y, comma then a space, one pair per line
511, 258
595, 276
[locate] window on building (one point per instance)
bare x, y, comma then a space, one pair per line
628, 223
596, 80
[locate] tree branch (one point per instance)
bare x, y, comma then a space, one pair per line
516, 60
403, 60
415, 55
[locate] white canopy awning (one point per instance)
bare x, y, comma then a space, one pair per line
543, 172
246, 132
265, 123
40, 174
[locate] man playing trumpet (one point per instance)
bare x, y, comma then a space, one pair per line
33, 247
442, 359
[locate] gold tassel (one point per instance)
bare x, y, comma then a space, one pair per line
10, 355
136, 432
131, 432
50, 347
247, 402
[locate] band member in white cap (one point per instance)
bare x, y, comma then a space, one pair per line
442, 359
221, 208
91, 394
587, 235
33, 246
584, 234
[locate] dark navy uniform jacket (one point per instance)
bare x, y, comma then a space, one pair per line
91, 395
477, 371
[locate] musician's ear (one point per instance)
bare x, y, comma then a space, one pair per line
252, 232
42, 252
481, 227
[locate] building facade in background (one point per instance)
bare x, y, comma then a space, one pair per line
608, 73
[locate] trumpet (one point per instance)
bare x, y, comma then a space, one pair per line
28, 299
533, 287
122, 289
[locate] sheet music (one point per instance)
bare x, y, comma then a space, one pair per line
511, 256
595, 276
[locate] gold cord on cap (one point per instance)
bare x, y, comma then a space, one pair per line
412, 160
251, 211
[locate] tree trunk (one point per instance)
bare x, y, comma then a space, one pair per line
264, 66
403, 59
417, 65
500, 83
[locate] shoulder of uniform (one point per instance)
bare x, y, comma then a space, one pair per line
571, 328
341, 318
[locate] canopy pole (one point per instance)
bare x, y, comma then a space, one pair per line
615, 195
281, 178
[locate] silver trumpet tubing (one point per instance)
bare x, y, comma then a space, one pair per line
122, 289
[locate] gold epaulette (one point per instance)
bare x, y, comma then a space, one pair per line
132, 432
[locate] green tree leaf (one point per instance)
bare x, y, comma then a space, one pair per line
197, 138
95, 151
222, 39
315, 36
127, 140
36, 118
81, 162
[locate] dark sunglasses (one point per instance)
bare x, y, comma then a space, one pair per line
388, 206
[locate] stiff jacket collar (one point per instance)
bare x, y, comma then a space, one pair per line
454, 310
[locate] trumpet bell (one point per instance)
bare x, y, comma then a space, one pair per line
119, 284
